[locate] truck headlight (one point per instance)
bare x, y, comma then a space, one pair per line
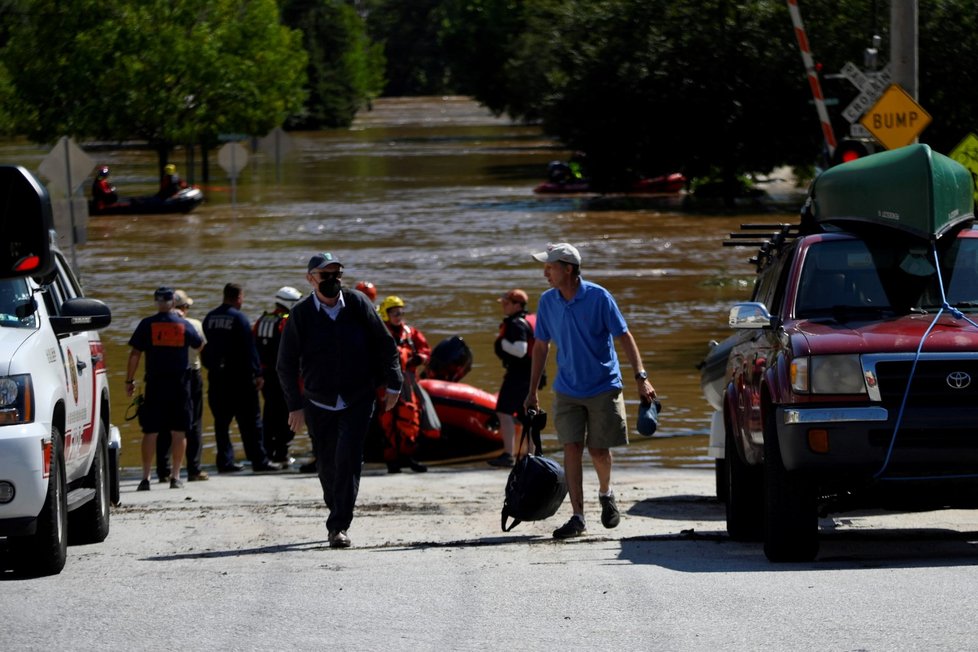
16, 400
828, 374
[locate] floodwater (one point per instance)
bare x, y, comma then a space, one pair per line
431, 199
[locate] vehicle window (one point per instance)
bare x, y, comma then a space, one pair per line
959, 269
772, 281
838, 275
66, 279
16, 304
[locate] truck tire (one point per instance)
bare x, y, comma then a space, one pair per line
745, 495
90, 522
791, 508
45, 551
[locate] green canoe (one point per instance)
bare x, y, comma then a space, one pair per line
913, 189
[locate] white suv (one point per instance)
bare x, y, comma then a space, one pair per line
58, 453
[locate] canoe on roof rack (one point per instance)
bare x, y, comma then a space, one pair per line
912, 189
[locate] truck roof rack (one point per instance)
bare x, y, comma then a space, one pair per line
777, 235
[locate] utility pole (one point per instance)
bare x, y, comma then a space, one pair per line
903, 45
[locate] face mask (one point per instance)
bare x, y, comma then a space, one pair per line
330, 288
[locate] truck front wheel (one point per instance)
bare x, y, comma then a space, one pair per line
45, 552
791, 509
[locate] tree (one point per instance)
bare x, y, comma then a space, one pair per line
163, 71
408, 31
346, 69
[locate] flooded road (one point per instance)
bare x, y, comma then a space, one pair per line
430, 199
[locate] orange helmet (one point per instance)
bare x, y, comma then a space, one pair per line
368, 288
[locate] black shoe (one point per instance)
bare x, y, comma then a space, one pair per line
417, 466
163, 479
393, 467
504, 460
286, 461
339, 539
309, 467
610, 516
233, 468
143, 485
175, 484
573, 528
199, 476
266, 466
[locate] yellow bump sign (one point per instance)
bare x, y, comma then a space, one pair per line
896, 119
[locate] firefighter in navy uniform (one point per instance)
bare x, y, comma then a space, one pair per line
275, 413
233, 381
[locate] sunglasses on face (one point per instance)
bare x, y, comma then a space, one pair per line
325, 276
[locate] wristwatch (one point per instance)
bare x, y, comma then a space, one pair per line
642, 375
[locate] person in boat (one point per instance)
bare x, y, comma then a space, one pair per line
275, 414
170, 182
583, 320
513, 346
103, 192
334, 353
402, 426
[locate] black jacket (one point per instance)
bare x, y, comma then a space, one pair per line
350, 357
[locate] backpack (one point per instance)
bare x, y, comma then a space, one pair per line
536, 486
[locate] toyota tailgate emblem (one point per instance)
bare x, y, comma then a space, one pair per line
958, 379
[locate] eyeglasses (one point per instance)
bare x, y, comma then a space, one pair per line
325, 276
395, 312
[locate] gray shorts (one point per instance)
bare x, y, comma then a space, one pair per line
597, 421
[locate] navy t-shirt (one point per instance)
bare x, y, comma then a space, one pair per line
164, 339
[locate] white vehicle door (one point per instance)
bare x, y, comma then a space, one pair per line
79, 368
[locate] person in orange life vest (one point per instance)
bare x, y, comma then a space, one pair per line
275, 413
170, 182
514, 345
402, 425
103, 192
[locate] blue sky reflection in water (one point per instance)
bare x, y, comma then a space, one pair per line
431, 199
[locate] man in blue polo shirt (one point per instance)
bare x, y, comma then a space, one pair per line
583, 320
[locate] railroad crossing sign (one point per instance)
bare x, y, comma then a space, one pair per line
871, 86
966, 153
896, 119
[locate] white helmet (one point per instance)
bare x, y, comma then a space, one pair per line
287, 296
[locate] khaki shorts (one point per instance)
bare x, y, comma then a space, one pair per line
597, 421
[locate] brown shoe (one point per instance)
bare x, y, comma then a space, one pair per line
339, 539
198, 477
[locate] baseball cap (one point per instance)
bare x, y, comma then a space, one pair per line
648, 418
180, 299
515, 295
322, 260
163, 294
560, 251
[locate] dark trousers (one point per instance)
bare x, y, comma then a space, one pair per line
234, 396
275, 418
194, 444
338, 438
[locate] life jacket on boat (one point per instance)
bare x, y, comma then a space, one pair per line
402, 425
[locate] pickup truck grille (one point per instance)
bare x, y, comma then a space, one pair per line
936, 383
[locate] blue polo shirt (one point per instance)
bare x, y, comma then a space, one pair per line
583, 330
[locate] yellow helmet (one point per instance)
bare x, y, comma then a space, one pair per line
170, 168
388, 303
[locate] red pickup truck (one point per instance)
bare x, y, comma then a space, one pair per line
852, 379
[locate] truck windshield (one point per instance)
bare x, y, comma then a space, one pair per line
855, 278
16, 304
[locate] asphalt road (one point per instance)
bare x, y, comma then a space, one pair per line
241, 563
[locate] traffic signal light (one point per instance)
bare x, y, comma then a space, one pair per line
852, 148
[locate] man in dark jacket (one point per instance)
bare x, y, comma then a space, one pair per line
234, 378
335, 341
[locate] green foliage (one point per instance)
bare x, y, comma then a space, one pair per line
408, 30
345, 71
164, 71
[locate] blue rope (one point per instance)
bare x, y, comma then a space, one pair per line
957, 314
